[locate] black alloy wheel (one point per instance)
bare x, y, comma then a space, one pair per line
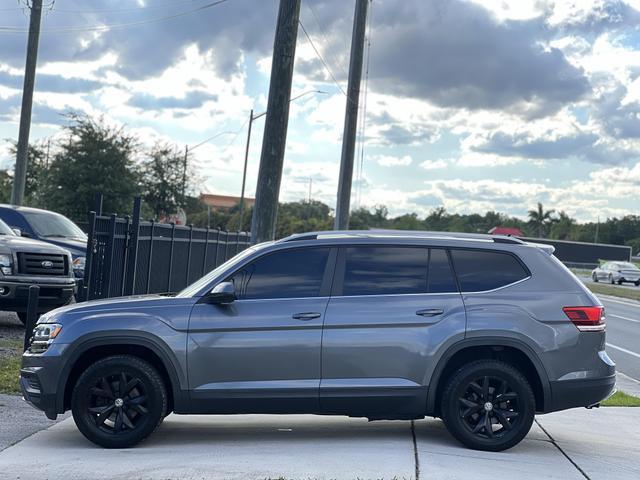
488, 405
118, 401
594, 277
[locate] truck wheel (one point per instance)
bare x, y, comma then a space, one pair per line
119, 401
488, 405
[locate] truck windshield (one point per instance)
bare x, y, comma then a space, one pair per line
52, 225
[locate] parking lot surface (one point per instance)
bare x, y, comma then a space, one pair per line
597, 444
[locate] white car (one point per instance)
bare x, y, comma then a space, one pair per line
617, 272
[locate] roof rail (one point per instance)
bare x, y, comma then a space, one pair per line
332, 234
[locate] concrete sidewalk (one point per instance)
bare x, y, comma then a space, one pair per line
596, 444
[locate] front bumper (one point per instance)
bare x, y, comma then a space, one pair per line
39, 377
52, 294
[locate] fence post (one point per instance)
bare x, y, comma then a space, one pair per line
152, 224
204, 257
88, 266
111, 241
189, 253
97, 203
132, 249
125, 252
215, 258
173, 240
32, 314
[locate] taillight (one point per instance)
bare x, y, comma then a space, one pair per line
586, 319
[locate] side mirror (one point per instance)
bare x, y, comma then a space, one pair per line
222, 294
17, 231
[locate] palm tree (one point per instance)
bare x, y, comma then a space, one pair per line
540, 219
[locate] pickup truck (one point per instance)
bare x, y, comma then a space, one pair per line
25, 262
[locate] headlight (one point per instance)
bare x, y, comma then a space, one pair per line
5, 264
43, 335
78, 263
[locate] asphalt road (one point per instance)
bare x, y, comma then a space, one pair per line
623, 334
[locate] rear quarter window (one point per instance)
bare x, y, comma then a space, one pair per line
481, 270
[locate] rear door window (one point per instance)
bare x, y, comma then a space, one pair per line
440, 278
385, 270
481, 270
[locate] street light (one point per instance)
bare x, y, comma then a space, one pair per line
246, 151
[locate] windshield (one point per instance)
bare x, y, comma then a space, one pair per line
626, 265
52, 225
192, 289
5, 230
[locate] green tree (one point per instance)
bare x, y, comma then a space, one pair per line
162, 180
541, 219
563, 227
364, 219
93, 158
5, 186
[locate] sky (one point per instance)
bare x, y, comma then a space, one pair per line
472, 105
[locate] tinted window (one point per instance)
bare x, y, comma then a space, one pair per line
439, 275
385, 270
287, 274
480, 270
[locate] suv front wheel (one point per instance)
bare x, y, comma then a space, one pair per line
119, 401
488, 405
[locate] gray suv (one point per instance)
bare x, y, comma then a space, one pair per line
481, 331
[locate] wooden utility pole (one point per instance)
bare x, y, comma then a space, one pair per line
20, 173
351, 116
263, 225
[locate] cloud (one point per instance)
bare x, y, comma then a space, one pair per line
456, 54
434, 164
390, 161
189, 100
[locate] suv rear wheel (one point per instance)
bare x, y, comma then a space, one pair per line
488, 405
119, 401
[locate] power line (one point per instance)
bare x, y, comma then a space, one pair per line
8, 29
114, 10
325, 39
322, 59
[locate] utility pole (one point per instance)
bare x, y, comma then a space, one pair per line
275, 130
351, 116
20, 173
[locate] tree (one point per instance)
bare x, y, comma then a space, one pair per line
37, 183
563, 227
363, 218
162, 175
541, 219
93, 158
5, 186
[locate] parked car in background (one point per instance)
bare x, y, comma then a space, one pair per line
25, 262
617, 272
50, 227
481, 331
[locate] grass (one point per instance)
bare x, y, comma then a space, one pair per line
10, 352
614, 291
621, 399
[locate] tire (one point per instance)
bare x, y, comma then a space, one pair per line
619, 282
637, 283
594, 277
611, 280
468, 405
109, 418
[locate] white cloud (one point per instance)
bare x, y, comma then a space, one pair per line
434, 164
391, 161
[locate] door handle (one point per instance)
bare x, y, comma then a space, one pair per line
430, 312
306, 315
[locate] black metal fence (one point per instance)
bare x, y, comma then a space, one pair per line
128, 256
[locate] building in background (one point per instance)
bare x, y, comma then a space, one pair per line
224, 202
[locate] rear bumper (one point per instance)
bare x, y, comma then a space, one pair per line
580, 393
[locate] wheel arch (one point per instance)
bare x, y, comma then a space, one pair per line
510, 350
92, 349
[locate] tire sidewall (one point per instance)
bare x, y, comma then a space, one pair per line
154, 389
456, 388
